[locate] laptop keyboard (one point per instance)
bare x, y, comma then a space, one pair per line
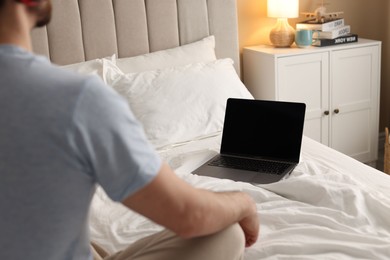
250, 165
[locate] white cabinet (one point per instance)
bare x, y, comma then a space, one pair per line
339, 84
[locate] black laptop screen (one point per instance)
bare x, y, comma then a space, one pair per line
264, 129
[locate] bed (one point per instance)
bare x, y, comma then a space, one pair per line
177, 61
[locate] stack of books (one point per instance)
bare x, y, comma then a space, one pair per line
329, 33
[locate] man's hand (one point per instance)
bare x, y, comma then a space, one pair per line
251, 227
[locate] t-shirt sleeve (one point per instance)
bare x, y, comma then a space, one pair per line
111, 143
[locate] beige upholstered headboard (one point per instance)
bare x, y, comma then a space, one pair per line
82, 30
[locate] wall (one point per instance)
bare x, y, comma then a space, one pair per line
369, 19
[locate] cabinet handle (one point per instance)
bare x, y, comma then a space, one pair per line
336, 111
326, 113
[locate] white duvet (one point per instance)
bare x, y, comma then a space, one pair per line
331, 207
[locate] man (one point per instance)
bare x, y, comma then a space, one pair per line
60, 134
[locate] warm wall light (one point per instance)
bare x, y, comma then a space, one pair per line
282, 35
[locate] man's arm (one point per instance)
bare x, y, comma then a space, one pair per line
190, 212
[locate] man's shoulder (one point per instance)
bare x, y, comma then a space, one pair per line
63, 76
58, 80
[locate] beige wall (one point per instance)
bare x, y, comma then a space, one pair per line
369, 19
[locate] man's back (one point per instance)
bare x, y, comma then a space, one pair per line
48, 147
35, 158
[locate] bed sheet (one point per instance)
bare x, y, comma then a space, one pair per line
331, 206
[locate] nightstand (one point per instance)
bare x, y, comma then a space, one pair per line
339, 84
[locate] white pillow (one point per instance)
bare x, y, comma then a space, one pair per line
90, 67
179, 104
200, 51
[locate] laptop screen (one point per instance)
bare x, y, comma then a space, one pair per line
263, 129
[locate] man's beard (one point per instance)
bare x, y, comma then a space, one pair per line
43, 11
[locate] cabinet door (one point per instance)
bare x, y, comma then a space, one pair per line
354, 102
304, 78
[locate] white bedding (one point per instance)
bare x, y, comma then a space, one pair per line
331, 207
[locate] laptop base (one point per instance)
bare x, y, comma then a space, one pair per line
240, 175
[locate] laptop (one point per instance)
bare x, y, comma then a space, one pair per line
261, 141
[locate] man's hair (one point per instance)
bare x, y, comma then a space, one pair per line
2, 3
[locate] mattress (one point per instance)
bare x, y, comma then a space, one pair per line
330, 207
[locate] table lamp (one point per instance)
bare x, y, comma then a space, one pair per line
282, 35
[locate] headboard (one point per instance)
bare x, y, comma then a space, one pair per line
82, 30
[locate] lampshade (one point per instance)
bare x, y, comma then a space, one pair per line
283, 8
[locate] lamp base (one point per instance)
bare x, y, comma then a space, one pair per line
282, 35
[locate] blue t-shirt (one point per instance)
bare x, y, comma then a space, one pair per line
60, 134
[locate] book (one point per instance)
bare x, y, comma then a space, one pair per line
340, 40
327, 26
338, 32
